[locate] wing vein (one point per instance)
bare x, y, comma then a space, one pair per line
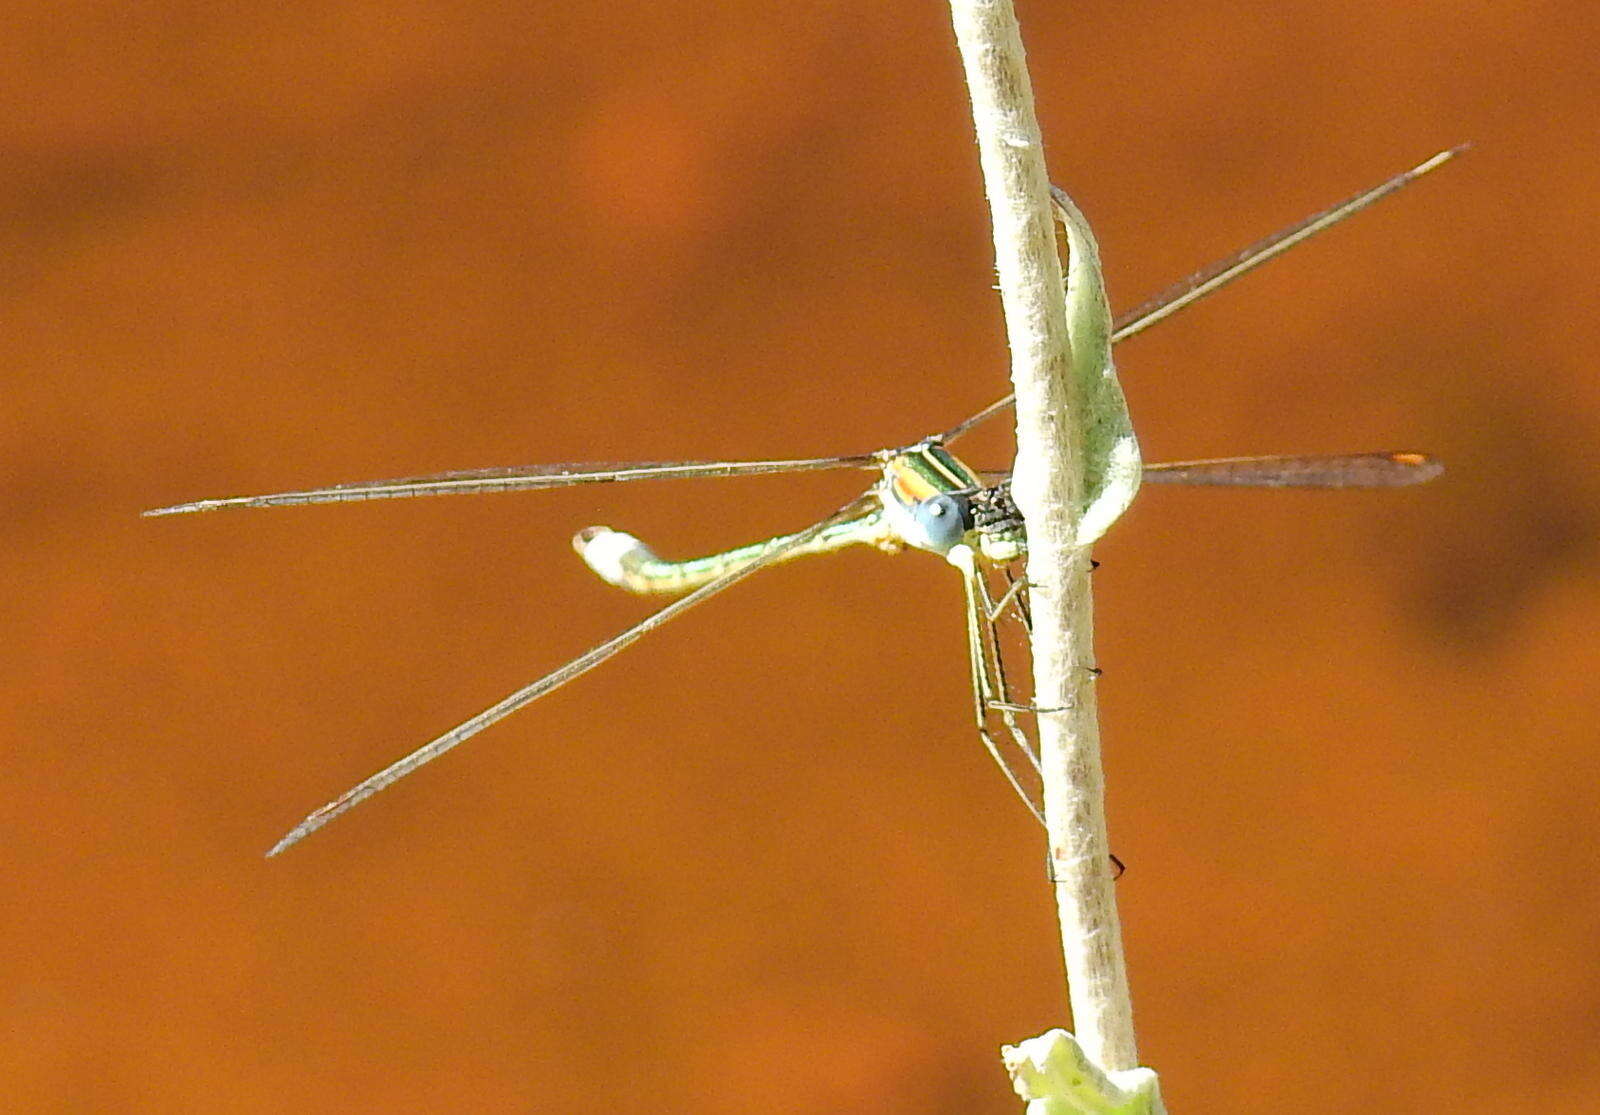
550, 682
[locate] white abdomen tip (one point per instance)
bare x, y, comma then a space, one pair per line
608, 553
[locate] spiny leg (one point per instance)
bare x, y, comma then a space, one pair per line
983, 693
1016, 594
1000, 691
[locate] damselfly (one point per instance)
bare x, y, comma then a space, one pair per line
924, 498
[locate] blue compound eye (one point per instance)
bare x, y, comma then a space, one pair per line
944, 519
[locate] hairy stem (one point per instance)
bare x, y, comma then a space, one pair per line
1051, 483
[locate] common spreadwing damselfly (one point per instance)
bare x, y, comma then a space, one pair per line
924, 498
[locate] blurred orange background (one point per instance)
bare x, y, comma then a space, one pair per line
759, 862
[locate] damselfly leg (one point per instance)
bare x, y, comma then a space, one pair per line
885, 515
1016, 597
991, 695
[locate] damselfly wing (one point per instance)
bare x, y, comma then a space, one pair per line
924, 498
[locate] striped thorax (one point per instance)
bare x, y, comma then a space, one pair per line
935, 502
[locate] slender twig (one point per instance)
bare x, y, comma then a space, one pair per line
1049, 485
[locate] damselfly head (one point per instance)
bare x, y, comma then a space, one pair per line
942, 521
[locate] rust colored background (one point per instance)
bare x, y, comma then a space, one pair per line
759, 862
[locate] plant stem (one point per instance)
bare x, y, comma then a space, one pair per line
1049, 485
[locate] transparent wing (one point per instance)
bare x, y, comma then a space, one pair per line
1330, 470
520, 478
555, 679
1338, 470
1224, 271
